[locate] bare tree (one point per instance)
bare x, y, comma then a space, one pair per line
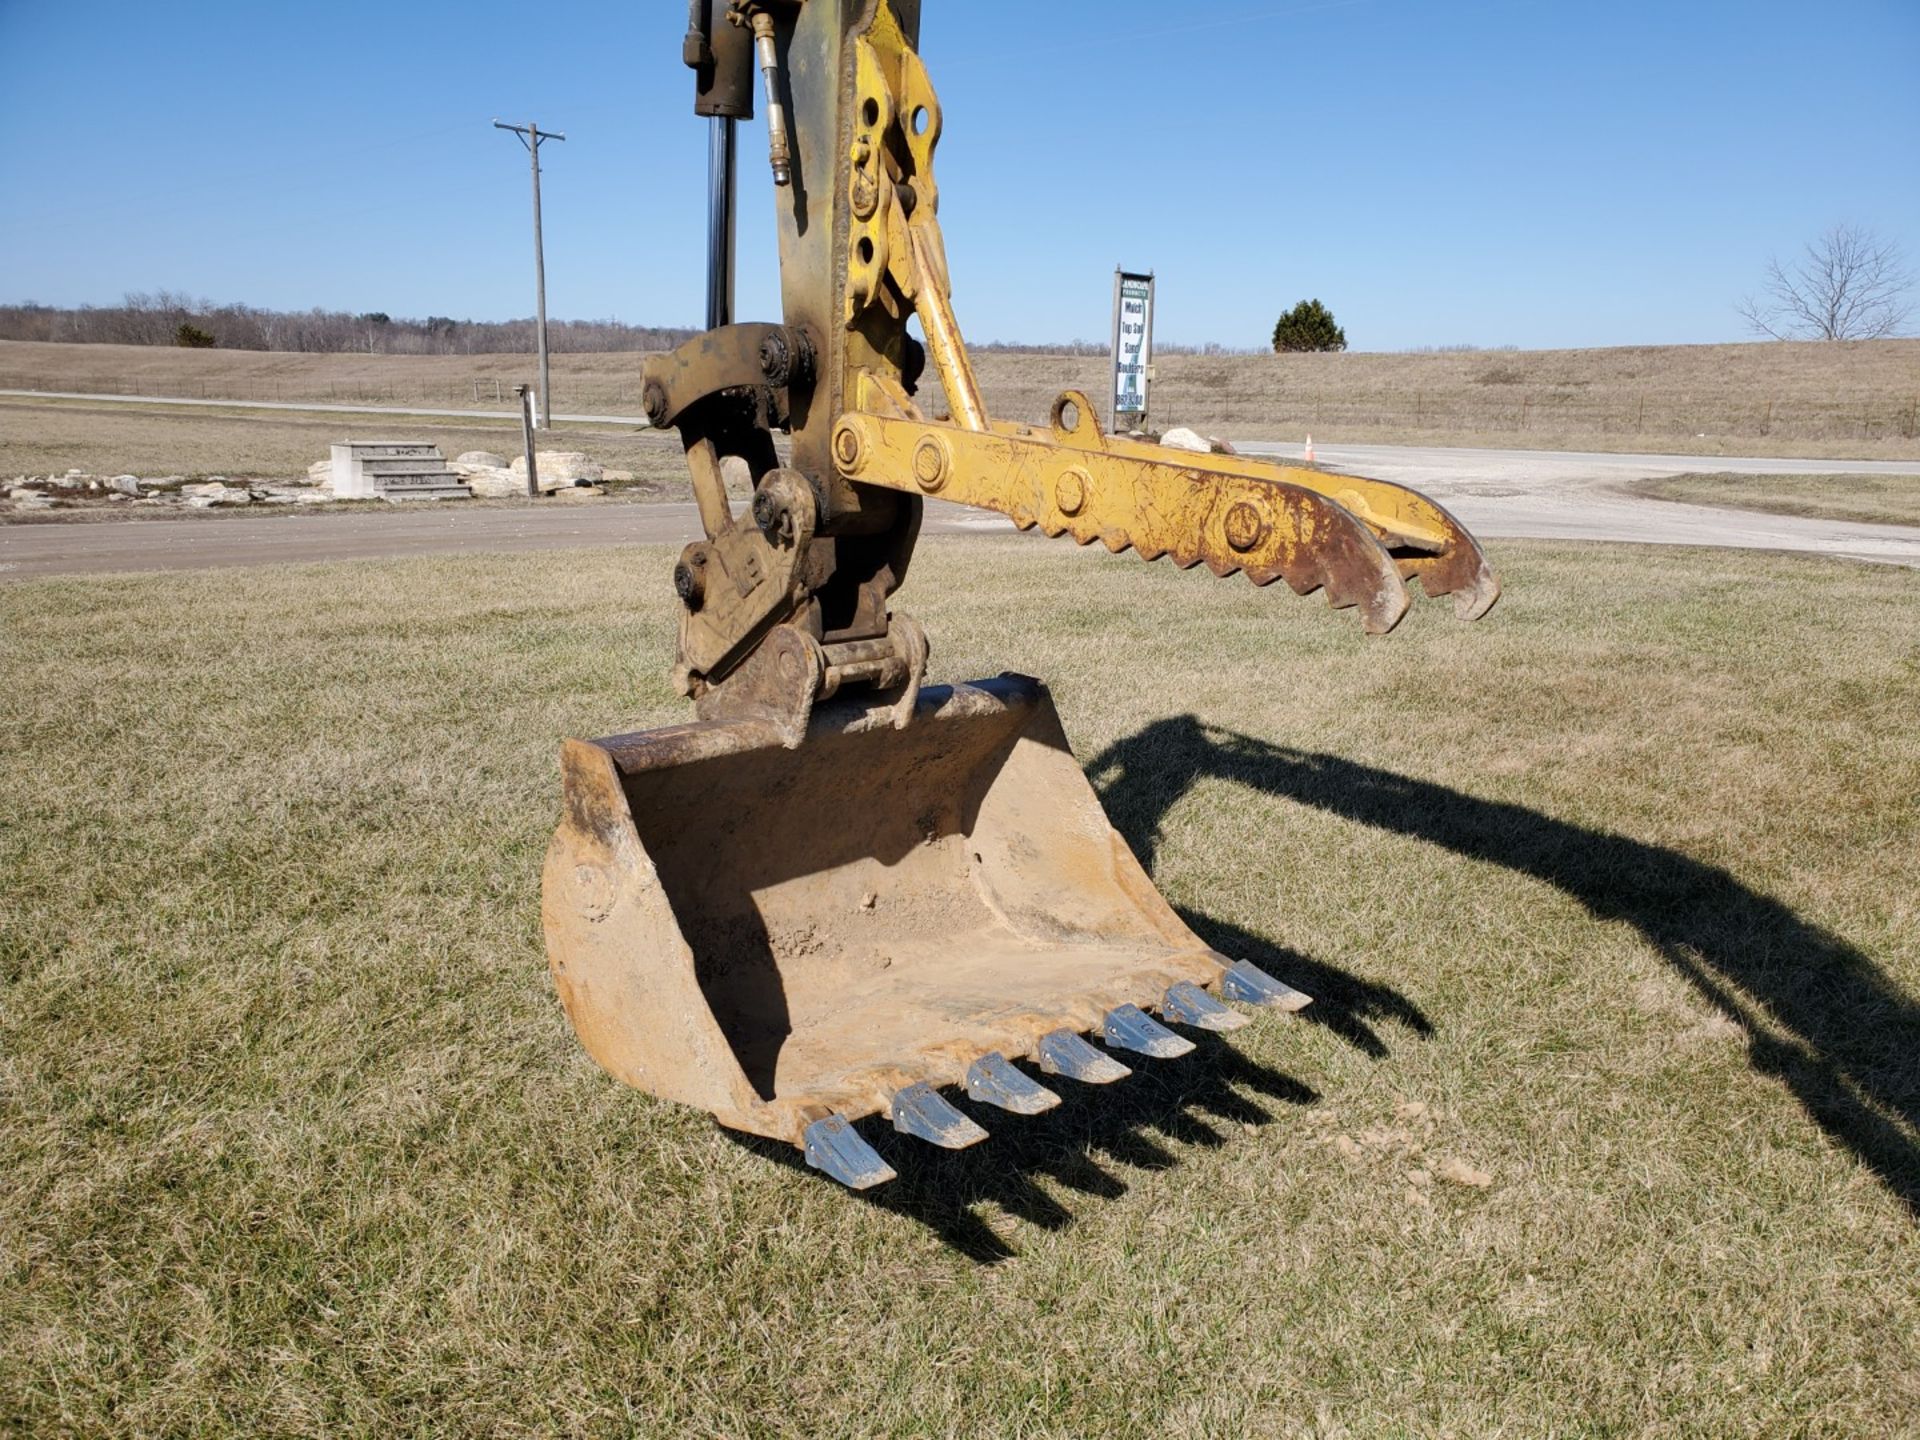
1851, 285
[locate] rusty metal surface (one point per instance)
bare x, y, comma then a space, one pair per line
817, 44
739, 582
721, 56
1267, 528
917, 899
773, 358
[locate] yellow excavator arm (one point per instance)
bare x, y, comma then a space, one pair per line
854, 123
838, 893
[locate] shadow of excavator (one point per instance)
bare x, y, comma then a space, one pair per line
1818, 1014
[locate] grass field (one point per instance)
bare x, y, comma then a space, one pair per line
1856, 399
1879, 499
1609, 902
54, 437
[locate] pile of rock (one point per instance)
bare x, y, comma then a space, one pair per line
487, 474
220, 491
43, 492
562, 472
570, 474
77, 490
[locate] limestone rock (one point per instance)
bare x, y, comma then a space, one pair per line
470, 460
497, 482
125, 484
560, 469
736, 475
214, 492
1181, 438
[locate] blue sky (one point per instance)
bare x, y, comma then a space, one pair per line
1537, 174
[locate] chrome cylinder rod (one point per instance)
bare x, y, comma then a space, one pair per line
720, 222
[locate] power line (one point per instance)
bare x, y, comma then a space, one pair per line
531, 136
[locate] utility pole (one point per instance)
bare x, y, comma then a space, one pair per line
530, 136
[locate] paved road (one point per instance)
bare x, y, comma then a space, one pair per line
1569, 495
327, 407
1497, 493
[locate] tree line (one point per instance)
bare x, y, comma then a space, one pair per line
163, 317
166, 318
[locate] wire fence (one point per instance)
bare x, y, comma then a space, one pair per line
608, 393
1205, 403
1800, 417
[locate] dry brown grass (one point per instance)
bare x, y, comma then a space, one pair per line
599, 383
1878, 499
1773, 399
1610, 898
1860, 399
54, 437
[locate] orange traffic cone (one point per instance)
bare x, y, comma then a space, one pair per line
1309, 449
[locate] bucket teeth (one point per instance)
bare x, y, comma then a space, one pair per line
1065, 1053
992, 1080
920, 1111
1130, 1028
1248, 982
1188, 1004
834, 1146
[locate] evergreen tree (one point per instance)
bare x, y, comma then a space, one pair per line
1308, 326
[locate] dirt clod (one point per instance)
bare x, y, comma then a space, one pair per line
1458, 1172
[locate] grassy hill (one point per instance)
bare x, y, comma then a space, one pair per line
1859, 399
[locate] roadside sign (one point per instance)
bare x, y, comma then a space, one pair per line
1132, 347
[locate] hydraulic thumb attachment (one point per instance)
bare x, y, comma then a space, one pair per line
1358, 540
839, 894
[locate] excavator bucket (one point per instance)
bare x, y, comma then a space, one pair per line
868, 923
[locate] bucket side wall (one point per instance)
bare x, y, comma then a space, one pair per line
623, 970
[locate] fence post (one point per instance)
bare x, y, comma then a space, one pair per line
526, 435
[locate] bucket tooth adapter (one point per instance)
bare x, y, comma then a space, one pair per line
839, 893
